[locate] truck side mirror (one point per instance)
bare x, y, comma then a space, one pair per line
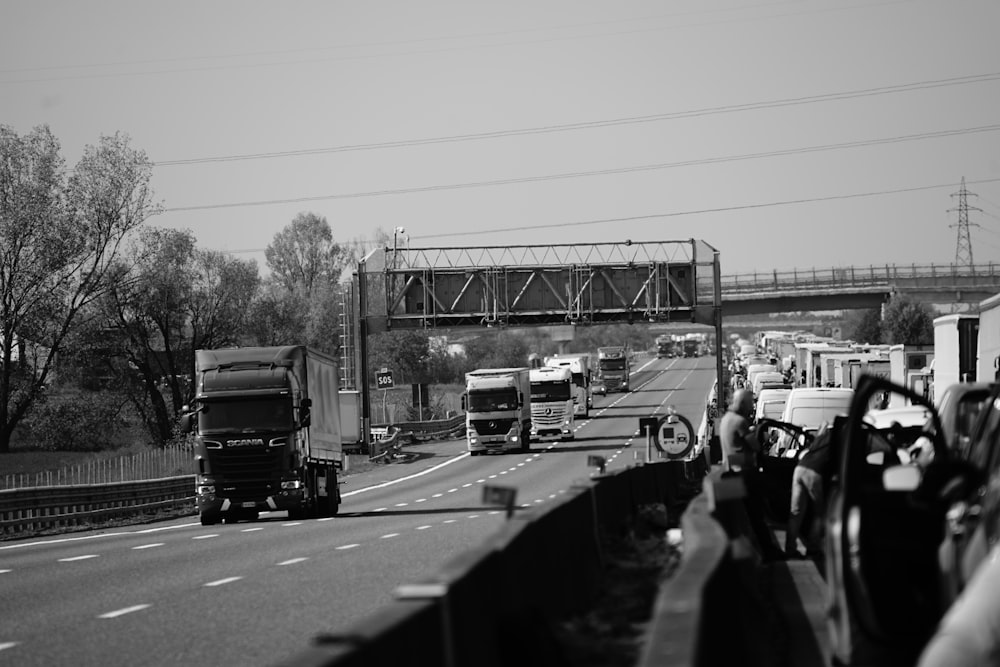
463, 401
305, 416
186, 422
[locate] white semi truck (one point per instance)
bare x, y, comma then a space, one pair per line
552, 402
579, 366
497, 403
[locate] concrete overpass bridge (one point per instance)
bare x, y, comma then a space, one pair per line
854, 287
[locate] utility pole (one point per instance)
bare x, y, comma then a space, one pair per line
963, 246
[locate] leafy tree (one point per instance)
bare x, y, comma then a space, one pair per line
172, 299
60, 237
304, 256
907, 321
503, 349
405, 352
864, 326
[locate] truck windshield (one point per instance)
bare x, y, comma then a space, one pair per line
246, 415
613, 364
549, 391
492, 400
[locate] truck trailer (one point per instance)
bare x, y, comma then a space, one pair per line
267, 436
497, 403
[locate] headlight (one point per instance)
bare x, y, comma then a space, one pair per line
292, 484
205, 489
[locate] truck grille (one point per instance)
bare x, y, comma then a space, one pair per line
491, 426
247, 472
538, 416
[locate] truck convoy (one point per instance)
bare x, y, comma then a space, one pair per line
497, 404
266, 425
552, 402
613, 368
579, 366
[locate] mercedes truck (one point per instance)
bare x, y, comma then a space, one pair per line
552, 403
497, 404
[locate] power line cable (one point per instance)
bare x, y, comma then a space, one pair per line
676, 214
548, 129
598, 172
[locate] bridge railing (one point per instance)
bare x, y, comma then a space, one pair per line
857, 276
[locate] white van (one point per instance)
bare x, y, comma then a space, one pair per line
771, 403
811, 407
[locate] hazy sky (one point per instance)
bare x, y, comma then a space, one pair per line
786, 134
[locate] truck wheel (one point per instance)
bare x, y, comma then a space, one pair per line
209, 518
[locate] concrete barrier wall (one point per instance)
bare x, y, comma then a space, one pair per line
495, 605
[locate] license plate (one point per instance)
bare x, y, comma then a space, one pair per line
248, 503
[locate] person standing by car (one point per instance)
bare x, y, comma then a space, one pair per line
808, 505
739, 456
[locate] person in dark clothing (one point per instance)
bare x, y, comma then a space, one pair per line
807, 510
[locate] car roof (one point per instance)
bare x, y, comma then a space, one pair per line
907, 415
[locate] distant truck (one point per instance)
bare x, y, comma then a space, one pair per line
613, 368
692, 347
267, 436
497, 403
552, 402
665, 347
956, 346
579, 366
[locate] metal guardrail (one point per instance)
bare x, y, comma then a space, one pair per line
38, 508
924, 275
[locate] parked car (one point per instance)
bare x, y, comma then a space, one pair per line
974, 520
885, 523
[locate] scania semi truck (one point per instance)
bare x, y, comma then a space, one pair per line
497, 403
266, 426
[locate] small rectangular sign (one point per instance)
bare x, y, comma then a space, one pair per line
499, 495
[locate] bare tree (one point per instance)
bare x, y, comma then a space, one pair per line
59, 241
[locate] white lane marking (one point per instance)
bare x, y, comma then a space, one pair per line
480, 481
408, 477
437, 495
494, 512
5, 571
421, 500
326, 518
222, 582
452, 490
126, 610
292, 523
449, 521
402, 504
347, 546
473, 516
6, 645
493, 476
292, 561
380, 509
205, 537
148, 546
76, 558
422, 527
388, 535
250, 530
465, 486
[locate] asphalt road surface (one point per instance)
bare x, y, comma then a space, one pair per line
256, 593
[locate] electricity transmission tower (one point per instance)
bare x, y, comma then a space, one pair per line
963, 246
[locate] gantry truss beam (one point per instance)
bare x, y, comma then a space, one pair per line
595, 283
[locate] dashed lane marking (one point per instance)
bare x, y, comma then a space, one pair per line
222, 582
148, 546
344, 547
388, 535
205, 537
292, 561
76, 558
126, 610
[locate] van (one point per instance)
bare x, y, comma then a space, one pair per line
811, 407
771, 404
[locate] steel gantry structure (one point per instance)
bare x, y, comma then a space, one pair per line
534, 285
